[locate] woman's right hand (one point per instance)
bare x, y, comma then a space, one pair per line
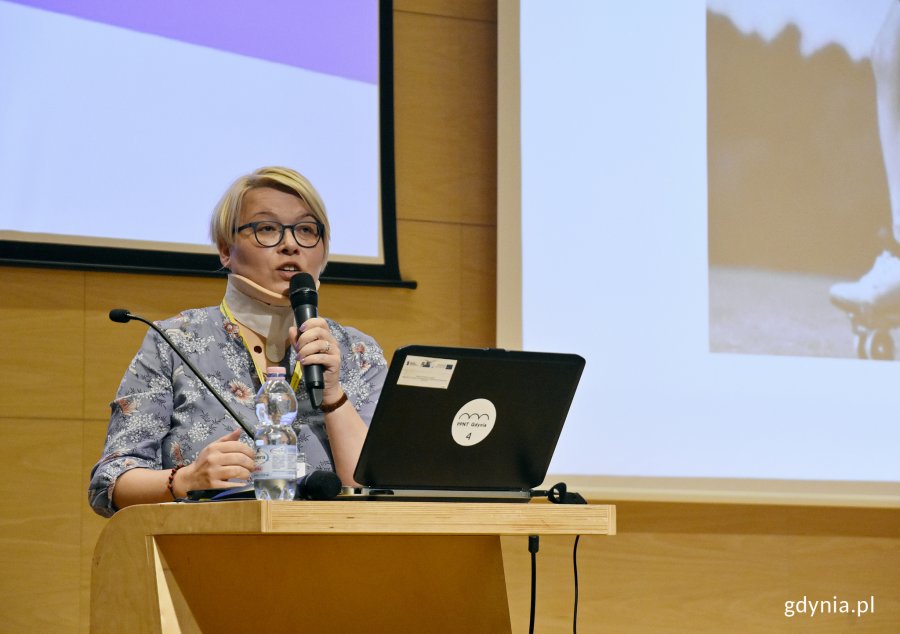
219, 462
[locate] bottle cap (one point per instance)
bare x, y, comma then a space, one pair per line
276, 370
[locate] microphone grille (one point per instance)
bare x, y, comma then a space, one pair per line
302, 281
323, 485
303, 291
120, 315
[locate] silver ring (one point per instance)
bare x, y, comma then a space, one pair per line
327, 347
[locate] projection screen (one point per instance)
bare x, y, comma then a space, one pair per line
121, 125
681, 188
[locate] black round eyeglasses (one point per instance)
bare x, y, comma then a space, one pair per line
270, 234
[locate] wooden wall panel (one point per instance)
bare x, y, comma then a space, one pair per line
464, 9
40, 535
668, 575
42, 325
445, 109
478, 286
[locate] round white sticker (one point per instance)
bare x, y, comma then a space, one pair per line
474, 421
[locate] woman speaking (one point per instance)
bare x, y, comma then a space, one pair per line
167, 433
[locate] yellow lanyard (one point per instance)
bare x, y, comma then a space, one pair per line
260, 372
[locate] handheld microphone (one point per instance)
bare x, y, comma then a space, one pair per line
318, 485
121, 315
305, 302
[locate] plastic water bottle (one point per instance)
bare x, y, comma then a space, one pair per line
275, 474
303, 466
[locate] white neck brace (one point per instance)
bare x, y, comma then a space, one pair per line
267, 314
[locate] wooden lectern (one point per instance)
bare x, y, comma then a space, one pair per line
341, 566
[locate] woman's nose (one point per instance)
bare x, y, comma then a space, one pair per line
288, 244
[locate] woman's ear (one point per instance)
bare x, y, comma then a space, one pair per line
224, 256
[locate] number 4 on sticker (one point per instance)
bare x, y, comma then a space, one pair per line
473, 422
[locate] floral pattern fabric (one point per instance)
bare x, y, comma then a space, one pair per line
163, 415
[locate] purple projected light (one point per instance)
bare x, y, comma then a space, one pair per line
337, 37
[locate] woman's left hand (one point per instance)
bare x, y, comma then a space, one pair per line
315, 345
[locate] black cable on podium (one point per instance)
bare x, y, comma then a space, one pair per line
557, 494
534, 543
575, 571
533, 547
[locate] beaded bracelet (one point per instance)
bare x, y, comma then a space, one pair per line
172, 481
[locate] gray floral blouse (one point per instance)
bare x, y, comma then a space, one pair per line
163, 416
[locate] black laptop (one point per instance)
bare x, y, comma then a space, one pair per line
466, 424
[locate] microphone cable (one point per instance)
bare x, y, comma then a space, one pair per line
558, 494
534, 543
533, 547
575, 571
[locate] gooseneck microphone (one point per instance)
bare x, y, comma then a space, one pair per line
305, 303
121, 315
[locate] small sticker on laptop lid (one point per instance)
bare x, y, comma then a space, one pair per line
427, 372
473, 422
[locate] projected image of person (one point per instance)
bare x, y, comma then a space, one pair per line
803, 177
880, 287
167, 434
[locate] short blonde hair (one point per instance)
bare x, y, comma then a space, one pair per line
226, 215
